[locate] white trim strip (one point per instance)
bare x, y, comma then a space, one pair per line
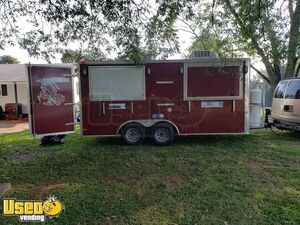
71, 103
165, 104
165, 82
247, 97
69, 124
233, 106
55, 133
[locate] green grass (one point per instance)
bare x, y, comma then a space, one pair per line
238, 180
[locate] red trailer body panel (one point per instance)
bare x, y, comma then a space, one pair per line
196, 96
51, 93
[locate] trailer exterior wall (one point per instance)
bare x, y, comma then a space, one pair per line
164, 83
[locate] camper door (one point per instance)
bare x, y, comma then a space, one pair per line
51, 99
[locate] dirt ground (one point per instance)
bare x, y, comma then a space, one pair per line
12, 126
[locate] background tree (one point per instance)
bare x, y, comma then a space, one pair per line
269, 29
8, 59
75, 56
71, 56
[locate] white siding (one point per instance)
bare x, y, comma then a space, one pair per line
10, 98
23, 97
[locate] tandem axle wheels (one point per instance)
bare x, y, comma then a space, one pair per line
162, 134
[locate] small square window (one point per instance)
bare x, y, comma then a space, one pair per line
4, 89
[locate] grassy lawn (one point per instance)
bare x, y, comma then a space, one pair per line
199, 180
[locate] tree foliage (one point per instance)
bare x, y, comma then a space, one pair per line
75, 56
8, 59
126, 26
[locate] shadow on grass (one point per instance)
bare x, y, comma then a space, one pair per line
118, 141
211, 139
204, 140
179, 140
51, 144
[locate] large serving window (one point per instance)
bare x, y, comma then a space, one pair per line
213, 82
109, 83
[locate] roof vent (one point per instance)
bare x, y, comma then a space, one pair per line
204, 54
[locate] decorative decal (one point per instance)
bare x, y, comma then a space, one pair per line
48, 93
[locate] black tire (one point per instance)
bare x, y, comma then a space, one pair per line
52, 139
133, 134
163, 134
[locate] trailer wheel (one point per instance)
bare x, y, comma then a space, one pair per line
133, 134
163, 134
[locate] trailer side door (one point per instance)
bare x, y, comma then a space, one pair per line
51, 100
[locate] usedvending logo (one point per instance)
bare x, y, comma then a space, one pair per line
32, 210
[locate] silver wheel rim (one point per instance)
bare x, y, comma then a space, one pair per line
133, 134
162, 134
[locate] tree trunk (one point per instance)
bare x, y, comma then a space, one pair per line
275, 76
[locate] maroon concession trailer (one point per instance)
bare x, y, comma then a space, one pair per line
159, 99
